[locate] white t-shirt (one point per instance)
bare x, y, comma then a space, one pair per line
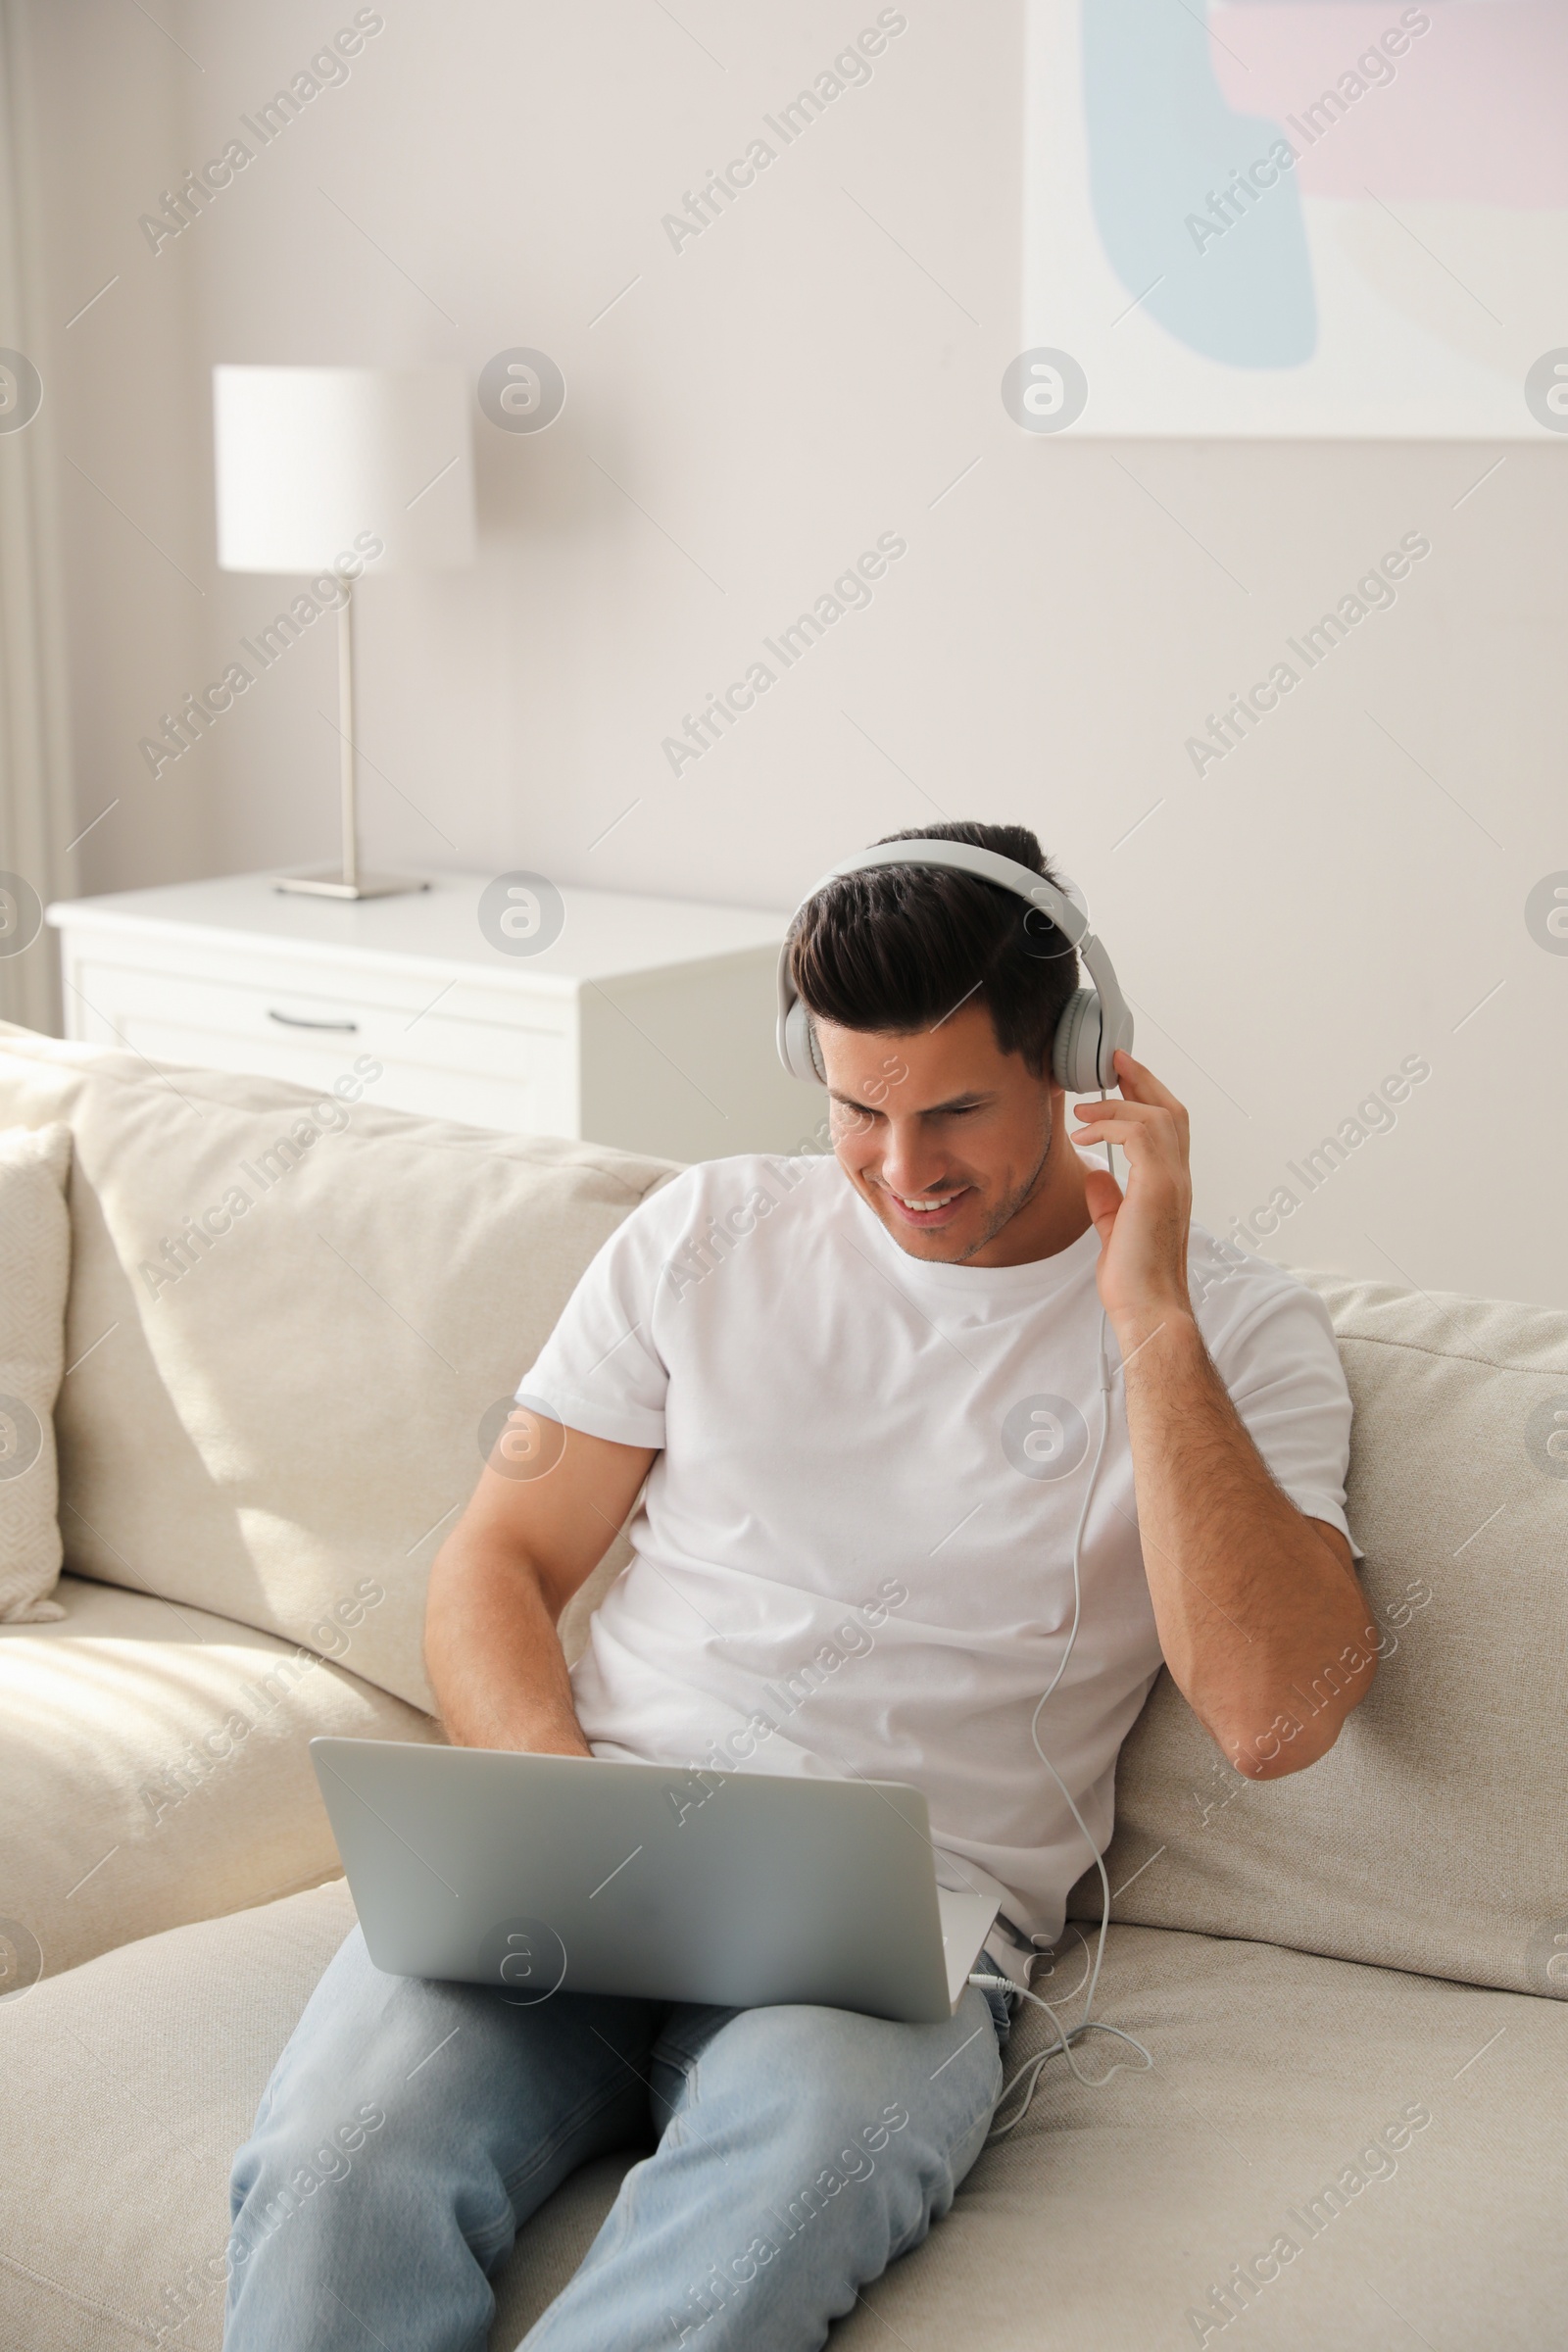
853, 1554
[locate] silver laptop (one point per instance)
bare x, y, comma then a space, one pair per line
543, 1873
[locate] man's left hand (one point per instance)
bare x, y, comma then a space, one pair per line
1143, 1229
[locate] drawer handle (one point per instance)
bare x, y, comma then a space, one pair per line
292, 1020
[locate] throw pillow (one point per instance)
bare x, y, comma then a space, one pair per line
34, 1270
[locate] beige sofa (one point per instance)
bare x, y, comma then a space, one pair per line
1353, 2133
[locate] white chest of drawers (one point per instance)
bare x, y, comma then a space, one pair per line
647, 1024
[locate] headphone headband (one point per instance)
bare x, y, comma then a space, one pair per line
1096, 1020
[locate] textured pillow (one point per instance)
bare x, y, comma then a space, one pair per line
34, 1274
297, 1320
1432, 1836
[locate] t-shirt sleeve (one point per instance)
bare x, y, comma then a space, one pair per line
600, 1370
1278, 1359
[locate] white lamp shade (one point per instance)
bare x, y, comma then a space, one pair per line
315, 464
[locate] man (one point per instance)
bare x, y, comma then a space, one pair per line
862, 1399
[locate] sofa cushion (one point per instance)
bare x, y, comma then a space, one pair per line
1286, 2102
34, 1275
1101, 2222
291, 1318
1432, 1835
155, 1768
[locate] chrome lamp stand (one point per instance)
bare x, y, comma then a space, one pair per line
349, 882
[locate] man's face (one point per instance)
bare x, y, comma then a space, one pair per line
945, 1137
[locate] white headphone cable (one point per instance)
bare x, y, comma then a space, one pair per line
1066, 2036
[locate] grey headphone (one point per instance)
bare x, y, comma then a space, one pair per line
1096, 1020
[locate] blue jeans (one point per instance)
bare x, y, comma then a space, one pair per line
409, 2129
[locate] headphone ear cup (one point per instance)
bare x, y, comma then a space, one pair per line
799, 1046
1075, 1049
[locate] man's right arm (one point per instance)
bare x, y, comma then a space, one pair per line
534, 1532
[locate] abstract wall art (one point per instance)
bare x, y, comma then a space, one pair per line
1302, 218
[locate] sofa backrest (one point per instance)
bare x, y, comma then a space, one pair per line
289, 1318
1433, 1835
280, 1418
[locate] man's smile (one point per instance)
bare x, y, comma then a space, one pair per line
935, 1207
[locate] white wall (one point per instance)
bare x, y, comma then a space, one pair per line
817, 369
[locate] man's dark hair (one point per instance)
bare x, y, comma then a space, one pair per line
902, 947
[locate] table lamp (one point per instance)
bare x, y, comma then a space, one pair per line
317, 468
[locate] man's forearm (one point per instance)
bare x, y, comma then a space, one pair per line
1254, 1608
494, 1657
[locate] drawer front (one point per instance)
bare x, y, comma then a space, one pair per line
442, 1052
531, 1088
